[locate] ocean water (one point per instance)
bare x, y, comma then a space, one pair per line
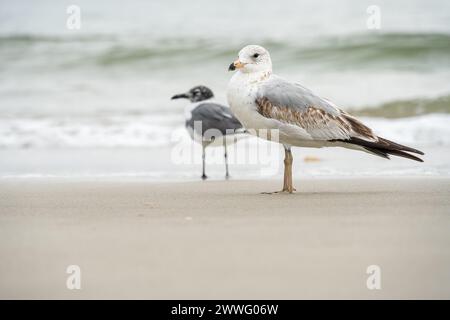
108, 85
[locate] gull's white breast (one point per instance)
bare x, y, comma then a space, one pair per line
242, 93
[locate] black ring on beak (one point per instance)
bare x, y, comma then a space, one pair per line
232, 67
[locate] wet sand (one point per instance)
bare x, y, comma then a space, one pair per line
223, 239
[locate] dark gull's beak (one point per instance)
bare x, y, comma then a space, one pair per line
236, 65
180, 96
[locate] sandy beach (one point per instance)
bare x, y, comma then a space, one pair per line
98, 173
223, 239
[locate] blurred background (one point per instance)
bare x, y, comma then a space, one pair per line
95, 102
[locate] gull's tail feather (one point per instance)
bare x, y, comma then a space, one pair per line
385, 153
384, 148
240, 131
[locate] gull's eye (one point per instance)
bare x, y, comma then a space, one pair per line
256, 55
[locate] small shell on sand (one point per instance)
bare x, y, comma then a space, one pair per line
311, 159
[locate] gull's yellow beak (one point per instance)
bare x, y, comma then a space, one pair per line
236, 65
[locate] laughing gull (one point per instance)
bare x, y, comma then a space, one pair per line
209, 123
263, 102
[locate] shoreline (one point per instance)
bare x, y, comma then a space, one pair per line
160, 166
225, 240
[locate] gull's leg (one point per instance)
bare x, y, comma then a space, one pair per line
288, 159
203, 162
287, 180
227, 174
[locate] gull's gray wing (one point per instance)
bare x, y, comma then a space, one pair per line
294, 104
214, 116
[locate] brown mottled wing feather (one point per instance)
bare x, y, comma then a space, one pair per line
317, 122
293, 104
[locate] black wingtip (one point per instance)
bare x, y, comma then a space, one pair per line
384, 148
405, 155
397, 146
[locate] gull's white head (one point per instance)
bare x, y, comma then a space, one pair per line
252, 58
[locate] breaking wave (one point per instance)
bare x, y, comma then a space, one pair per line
394, 50
155, 131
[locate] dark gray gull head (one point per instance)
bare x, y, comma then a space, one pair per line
196, 94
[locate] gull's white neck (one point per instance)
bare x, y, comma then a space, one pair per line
241, 94
253, 77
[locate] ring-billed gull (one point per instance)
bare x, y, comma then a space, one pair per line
263, 101
209, 123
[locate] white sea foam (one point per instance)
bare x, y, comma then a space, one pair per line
154, 131
429, 130
117, 131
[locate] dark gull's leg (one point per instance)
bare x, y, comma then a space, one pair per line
203, 162
227, 174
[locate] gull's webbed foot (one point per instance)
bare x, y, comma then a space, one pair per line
285, 190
